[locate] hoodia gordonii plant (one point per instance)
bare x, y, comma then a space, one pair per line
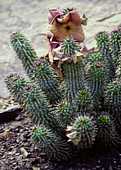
107, 135
95, 76
24, 51
48, 80
92, 84
103, 43
54, 146
73, 72
115, 46
82, 132
33, 101
43, 74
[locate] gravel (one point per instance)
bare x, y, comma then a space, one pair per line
18, 152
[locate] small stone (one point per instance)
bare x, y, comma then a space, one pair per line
35, 168
24, 152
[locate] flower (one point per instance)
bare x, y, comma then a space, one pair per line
66, 25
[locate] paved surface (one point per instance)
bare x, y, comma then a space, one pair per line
30, 17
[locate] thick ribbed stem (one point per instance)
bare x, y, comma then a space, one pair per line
103, 43
65, 113
82, 132
116, 46
95, 76
48, 80
24, 51
106, 131
113, 99
34, 102
54, 147
84, 101
42, 73
74, 78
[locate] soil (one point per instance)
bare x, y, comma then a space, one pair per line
18, 152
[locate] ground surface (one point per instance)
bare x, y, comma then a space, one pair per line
30, 17
18, 152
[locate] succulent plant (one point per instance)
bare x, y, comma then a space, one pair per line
95, 75
16, 86
106, 130
74, 78
116, 46
33, 101
48, 80
82, 132
24, 51
54, 147
113, 99
113, 94
37, 69
65, 112
73, 70
83, 101
86, 110
69, 47
103, 43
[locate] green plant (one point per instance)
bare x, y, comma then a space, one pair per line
74, 78
115, 46
113, 100
103, 44
69, 47
86, 110
65, 113
47, 79
34, 101
83, 101
82, 132
106, 130
24, 51
16, 85
37, 69
73, 72
95, 76
54, 147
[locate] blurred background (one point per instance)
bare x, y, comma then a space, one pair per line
31, 18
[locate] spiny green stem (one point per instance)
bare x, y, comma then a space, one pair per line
106, 131
34, 102
84, 101
54, 147
74, 78
82, 132
69, 47
103, 43
24, 51
116, 46
95, 76
48, 80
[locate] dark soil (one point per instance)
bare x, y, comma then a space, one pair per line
18, 152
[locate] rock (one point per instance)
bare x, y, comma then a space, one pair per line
35, 168
6, 135
24, 152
